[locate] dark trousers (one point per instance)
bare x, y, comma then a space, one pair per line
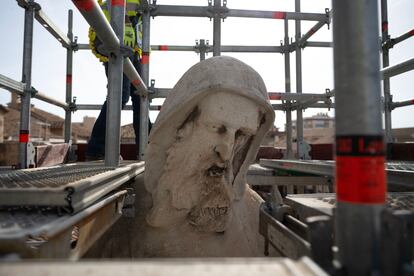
96, 144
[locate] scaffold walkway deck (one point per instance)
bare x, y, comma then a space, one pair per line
400, 175
307, 205
43, 233
69, 187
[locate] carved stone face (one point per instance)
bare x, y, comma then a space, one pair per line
196, 186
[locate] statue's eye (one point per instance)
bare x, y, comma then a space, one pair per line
239, 133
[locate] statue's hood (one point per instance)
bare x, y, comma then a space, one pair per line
204, 78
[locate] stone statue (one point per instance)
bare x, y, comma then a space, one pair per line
205, 137
195, 202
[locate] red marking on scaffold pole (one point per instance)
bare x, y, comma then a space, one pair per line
145, 58
279, 15
412, 32
312, 31
120, 3
136, 82
24, 136
84, 5
360, 169
384, 26
412, 101
163, 48
360, 179
274, 96
69, 79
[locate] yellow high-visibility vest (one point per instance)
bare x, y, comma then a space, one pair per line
132, 37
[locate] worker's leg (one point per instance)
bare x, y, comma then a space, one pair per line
96, 144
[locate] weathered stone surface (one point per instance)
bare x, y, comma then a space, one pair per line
195, 202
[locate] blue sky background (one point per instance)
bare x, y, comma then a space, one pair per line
89, 82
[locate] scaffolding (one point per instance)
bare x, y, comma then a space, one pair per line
359, 134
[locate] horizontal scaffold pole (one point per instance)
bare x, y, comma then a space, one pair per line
209, 11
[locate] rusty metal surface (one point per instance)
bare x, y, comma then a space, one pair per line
70, 187
200, 267
42, 233
324, 203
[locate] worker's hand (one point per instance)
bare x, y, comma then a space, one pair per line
129, 37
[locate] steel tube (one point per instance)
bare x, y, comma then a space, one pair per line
299, 113
93, 14
49, 100
301, 42
69, 65
403, 37
187, 11
252, 49
96, 107
277, 15
203, 49
386, 80
401, 104
42, 18
318, 44
25, 107
398, 69
284, 107
360, 172
172, 48
12, 85
289, 151
115, 72
83, 47
144, 116
217, 30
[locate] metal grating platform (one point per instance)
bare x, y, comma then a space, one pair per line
400, 175
48, 178
70, 187
41, 232
323, 204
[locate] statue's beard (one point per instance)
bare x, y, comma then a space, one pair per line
195, 186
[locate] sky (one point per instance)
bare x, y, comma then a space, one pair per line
89, 81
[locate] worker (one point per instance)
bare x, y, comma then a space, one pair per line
133, 40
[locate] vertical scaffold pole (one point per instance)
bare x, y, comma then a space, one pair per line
299, 112
69, 65
289, 153
360, 175
217, 30
386, 63
25, 108
202, 48
144, 116
115, 74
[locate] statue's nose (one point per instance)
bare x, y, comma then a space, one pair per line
225, 147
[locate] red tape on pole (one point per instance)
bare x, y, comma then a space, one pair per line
279, 15
136, 82
360, 169
69, 79
118, 3
384, 26
24, 136
145, 58
412, 101
412, 32
163, 48
84, 5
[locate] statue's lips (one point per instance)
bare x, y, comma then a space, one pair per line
217, 170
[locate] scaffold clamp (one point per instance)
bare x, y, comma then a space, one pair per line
72, 105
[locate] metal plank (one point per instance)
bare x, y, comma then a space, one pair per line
72, 187
42, 233
400, 174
